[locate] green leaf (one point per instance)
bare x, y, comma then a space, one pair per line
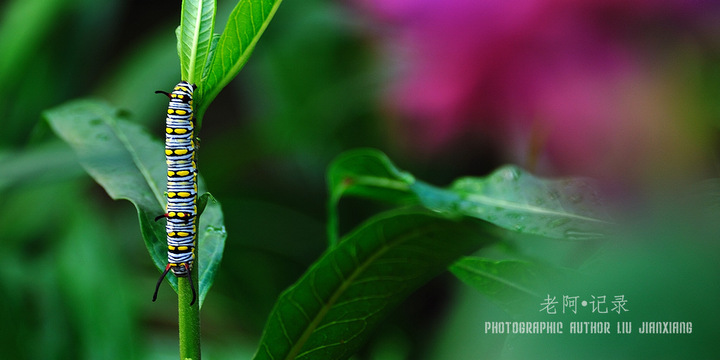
515, 199
509, 197
246, 24
368, 173
202, 202
211, 243
119, 155
514, 285
178, 36
364, 173
332, 309
129, 164
195, 35
211, 53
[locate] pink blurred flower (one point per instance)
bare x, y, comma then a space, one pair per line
577, 75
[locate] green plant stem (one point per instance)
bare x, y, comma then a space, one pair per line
332, 226
189, 319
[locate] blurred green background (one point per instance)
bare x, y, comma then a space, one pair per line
76, 281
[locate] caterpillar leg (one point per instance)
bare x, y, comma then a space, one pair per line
164, 92
189, 275
192, 286
157, 287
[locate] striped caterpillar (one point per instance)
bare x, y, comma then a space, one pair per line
181, 208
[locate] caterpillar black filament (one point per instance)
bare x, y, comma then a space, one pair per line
181, 209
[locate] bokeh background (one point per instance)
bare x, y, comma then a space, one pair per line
623, 91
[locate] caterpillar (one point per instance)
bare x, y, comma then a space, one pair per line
181, 208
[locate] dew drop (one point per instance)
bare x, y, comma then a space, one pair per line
216, 230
